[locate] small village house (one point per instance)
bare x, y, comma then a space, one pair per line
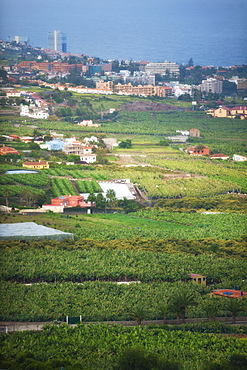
35, 165
194, 132
198, 279
198, 150
70, 201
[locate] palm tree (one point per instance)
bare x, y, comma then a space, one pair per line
139, 314
212, 309
180, 302
163, 310
111, 198
235, 305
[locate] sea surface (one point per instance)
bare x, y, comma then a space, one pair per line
212, 32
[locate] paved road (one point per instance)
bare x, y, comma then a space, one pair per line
37, 326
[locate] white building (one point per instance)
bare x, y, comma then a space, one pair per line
183, 132
239, 158
163, 68
34, 112
88, 158
89, 140
211, 85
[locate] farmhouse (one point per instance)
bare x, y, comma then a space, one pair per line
239, 158
89, 123
198, 150
37, 165
194, 132
70, 201
198, 279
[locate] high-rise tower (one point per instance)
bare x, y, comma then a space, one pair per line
57, 41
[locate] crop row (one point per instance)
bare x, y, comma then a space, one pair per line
87, 186
77, 264
62, 187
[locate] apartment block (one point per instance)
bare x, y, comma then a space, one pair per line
211, 85
163, 68
148, 90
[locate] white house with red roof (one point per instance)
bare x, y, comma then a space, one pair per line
219, 156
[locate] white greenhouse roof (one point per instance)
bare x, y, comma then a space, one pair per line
122, 190
31, 230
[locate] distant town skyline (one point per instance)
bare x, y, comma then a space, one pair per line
211, 32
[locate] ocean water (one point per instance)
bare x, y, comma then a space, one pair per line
212, 32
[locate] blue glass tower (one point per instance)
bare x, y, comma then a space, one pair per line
57, 41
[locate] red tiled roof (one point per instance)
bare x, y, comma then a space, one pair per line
195, 275
34, 163
219, 155
239, 107
8, 150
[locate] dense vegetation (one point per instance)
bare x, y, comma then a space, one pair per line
118, 348
81, 278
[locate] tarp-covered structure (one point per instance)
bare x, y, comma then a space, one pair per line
121, 190
31, 230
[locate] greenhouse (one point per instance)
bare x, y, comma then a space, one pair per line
121, 190
31, 230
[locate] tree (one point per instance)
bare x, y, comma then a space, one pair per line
129, 205
33, 146
235, 305
92, 198
125, 144
100, 201
212, 309
190, 63
101, 154
163, 310
180, 302
7, 193
139, 314
185, 97
111, 198
28, 197
73, 158
163, 143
